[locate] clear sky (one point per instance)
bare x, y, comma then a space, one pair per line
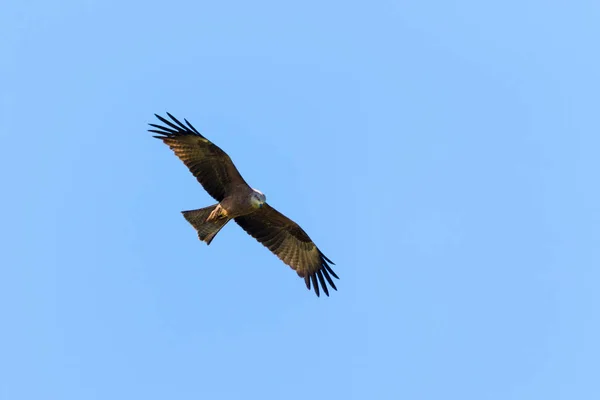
445, 155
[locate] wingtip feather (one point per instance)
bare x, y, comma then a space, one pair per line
322, 281
329, 280
174, 127
325, 258
330, 270
313, 277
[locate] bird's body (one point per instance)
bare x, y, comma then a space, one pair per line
246, 206
243, 201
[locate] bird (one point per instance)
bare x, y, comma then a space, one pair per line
237, 201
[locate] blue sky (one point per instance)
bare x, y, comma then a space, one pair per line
443, 154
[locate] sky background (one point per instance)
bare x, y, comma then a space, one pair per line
443, 154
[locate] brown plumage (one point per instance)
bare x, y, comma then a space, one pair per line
208, 163
246, 206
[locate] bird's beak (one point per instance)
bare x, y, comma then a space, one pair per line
261, 204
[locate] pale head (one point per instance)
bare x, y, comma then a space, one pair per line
257, 198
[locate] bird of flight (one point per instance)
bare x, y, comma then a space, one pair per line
215, 171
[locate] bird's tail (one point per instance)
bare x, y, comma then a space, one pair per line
207, 230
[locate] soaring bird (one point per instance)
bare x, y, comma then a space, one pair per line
248, 207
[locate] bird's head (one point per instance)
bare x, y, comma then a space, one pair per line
258, 198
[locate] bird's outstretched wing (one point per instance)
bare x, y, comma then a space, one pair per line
210, 165
291, 244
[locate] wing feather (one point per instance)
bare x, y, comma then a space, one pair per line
274, 241
326, 274
322, 281
292, 245
211, 166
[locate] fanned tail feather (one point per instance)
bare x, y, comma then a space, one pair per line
207, 230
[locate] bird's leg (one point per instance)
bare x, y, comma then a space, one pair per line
216, 214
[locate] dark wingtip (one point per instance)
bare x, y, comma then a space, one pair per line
192, 126
174, 127
325, 257
313, 277
329, 280
322, 282
176, 121
321, 277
